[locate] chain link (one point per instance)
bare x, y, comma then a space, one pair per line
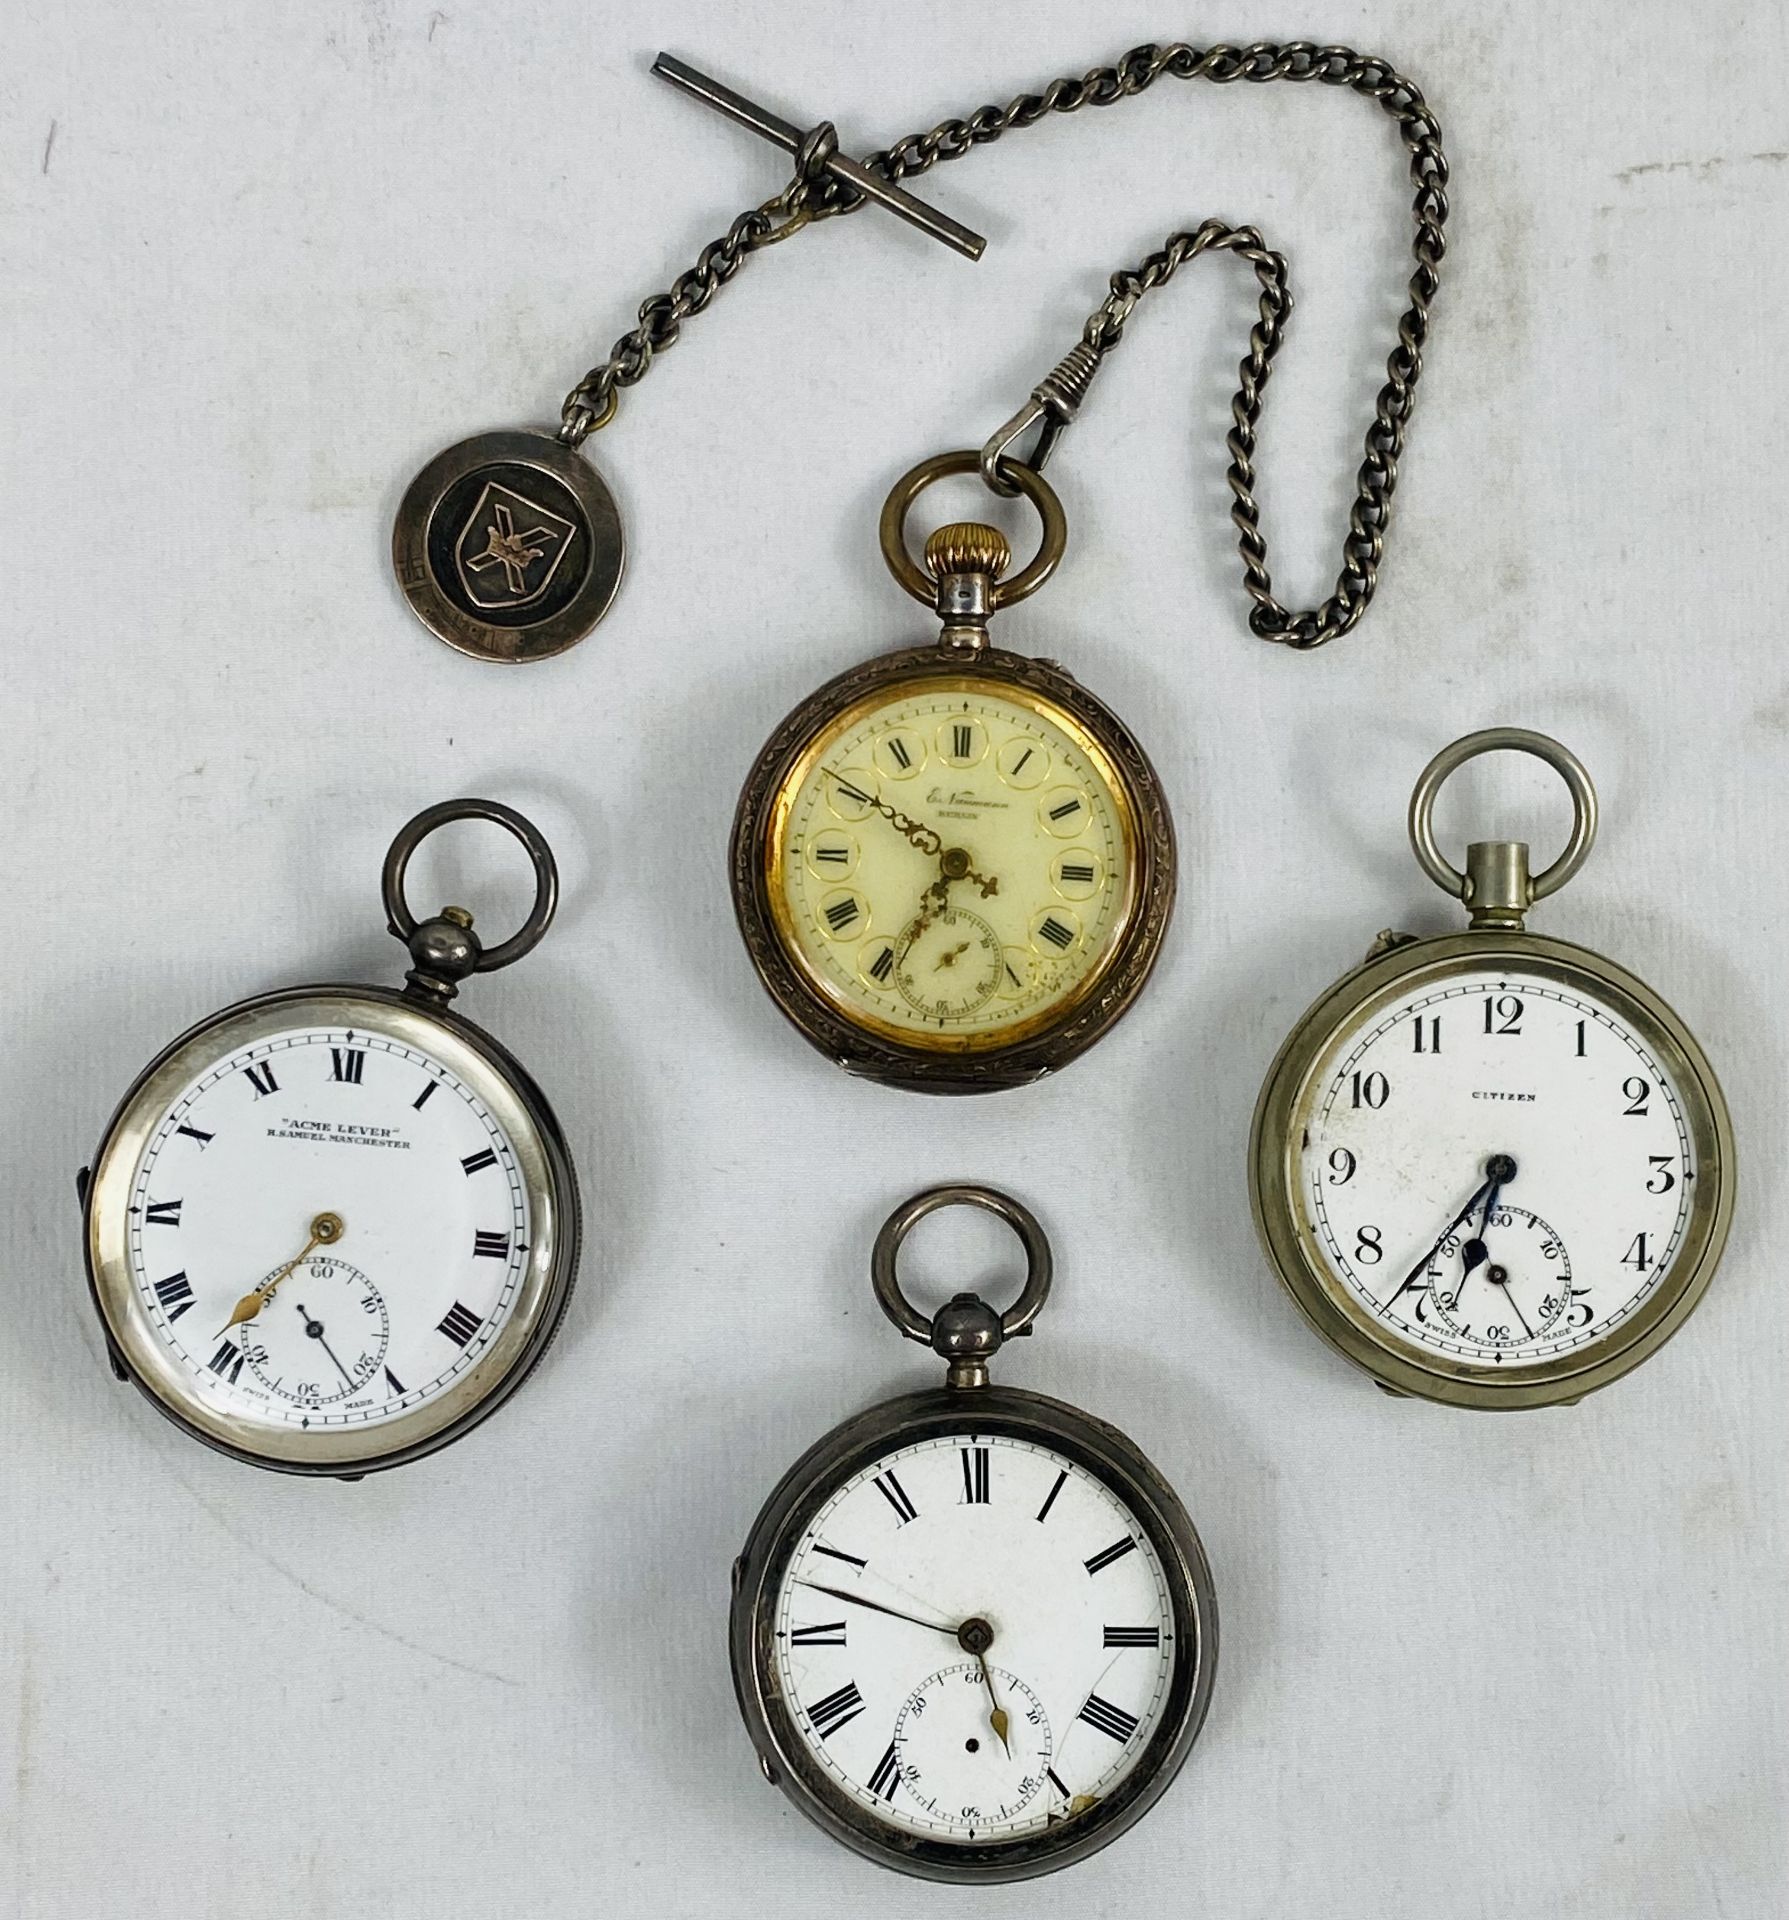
814, 195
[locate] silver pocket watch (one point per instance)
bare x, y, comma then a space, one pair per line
973, 1629
1493, 1168
332, 1228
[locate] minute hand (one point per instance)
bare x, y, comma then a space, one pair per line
1458, 1220
925, 838
876, 1606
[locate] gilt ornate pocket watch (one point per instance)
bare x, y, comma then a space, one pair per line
1493, 1169
331, 1229
973, 1630
953, 866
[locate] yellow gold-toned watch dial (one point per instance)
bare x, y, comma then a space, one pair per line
953, 862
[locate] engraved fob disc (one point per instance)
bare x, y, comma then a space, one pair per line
508, 546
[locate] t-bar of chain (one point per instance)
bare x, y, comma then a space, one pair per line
848, 172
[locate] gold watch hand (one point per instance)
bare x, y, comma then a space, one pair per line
326, 1229
910, 829
951, 957
957, 866
997, 1713
954, 860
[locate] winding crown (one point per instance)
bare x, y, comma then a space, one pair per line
966, 546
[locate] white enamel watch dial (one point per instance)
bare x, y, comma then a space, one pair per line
327, 1227
1497, 1168
419, 1280
869, 1637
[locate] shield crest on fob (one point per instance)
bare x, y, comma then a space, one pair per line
509, 549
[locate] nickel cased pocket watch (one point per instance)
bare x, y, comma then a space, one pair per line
1493, 1168
953, 866
973, 1629
331, 1229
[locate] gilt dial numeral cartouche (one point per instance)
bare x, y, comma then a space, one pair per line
988, 849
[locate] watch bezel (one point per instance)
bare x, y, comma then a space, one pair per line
1288, 1239
1102, 1451
543, 1161
979, 1065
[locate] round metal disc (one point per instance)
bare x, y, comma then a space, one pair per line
509, 546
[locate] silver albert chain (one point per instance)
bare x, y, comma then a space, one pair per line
509, 545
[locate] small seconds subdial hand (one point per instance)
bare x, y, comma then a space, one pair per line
1499, 1278
996, 1712
315, 1329
326, 1229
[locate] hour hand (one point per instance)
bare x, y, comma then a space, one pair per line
325, 1230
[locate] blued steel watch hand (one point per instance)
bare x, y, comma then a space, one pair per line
1499, 1169
1499, 1278
326, 1229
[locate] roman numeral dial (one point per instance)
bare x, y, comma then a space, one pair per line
923, 1562
954, 862
266, 1326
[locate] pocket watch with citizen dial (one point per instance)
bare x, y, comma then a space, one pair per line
973, 1630
332, 1228
953, 866
1493, 1169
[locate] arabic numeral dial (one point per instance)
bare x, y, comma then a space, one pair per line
1493, 1167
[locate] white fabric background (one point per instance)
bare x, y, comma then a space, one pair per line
259, 264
